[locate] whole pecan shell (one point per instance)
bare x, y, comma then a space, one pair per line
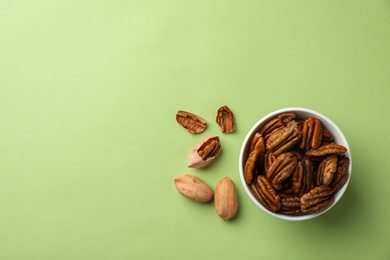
317, 199
193, 123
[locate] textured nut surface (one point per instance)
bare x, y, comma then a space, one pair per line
225, 199
255, 156
193, 123
265, 193
225, 120
281, 168
283, 139
204, 152
311, 134
317, 199
327, 149
193, 188
326, 169
341, 174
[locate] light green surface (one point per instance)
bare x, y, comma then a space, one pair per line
89, 145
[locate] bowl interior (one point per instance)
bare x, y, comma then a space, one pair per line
302, 113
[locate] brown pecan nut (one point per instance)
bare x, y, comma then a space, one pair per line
317, 199
287, 117
255, 157
284, 139
281, 168
193, 123
270, 127
265, 193
327, 149
225, 120
290, 205
326, 169
327, 137
341, 174
302, 178
311, 134
269, 158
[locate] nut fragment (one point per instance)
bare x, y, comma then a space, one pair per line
225, 199
317, 199
225, 120
204, 152
193, 188
193, 123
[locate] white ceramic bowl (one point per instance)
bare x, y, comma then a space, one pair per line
302, 113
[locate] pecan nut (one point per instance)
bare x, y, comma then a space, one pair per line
317, 199
341, 174
311, 134
327, 149
281, 168
193, 123
326, 169
256, 156
225, 120
265, 193
290, 205
204, 152
302, 177
284, 139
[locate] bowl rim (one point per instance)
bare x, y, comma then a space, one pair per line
340, 139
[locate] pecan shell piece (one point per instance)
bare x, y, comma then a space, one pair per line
327, 149
317, 199
204, 152
265, 193
225, 120
341, 174
283, 139
193, 123
255, 157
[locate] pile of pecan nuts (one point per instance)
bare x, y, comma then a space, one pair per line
294, 167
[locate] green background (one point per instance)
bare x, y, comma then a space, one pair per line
89, 144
